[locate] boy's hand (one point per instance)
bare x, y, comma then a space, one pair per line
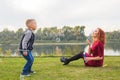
25, 53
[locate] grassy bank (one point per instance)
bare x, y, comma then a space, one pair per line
49, 68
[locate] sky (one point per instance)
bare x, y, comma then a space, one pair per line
49, 13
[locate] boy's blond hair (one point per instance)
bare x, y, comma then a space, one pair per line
28, 21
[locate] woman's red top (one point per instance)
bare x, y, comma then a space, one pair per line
97, 49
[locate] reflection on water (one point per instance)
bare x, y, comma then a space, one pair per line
112, 49
58, 50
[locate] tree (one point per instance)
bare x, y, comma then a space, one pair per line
19, 33
68, 32
38, 34
79, 32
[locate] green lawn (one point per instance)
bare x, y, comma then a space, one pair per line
50, 68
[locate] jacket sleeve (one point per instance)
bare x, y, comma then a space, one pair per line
26, 38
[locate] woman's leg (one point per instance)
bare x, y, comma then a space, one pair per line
75, 57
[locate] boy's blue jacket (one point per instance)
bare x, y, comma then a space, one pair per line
27, 41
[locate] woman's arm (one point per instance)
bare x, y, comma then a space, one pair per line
93, 58
89, 48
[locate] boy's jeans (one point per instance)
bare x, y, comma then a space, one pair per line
30, 59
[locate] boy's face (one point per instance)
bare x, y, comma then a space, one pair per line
32, 25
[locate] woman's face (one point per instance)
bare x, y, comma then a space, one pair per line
95, 33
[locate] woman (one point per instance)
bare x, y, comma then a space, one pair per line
95, 55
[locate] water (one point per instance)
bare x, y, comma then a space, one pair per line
58, 49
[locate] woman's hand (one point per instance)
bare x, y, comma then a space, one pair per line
89, 48
88, 41
25, 53
87, 59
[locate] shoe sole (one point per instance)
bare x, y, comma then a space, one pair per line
25, 75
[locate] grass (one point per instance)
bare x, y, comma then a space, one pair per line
49, 68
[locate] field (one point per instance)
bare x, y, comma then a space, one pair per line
50, 68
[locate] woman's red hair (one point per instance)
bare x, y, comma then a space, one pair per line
102, 36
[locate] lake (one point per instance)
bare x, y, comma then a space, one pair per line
58, 49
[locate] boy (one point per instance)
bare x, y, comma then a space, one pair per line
25, 47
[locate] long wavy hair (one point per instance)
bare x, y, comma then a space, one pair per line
101, 36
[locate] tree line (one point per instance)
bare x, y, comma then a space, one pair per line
54, 34
113, 36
